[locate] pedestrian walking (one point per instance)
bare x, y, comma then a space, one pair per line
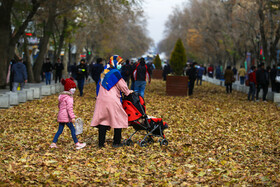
66, 115
210, 71
141, 74
262, 81
235, 72
19, 73
252, 83
242, 74
277, 84
58, 67
109, 112
47, 69
82, 75
166, 71
200, 73
229, 79
126, 71
96, 70
192, 74
218, 72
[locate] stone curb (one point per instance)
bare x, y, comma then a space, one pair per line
31, 92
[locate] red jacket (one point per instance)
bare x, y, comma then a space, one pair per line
252, 77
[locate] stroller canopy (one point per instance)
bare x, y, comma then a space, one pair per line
134, 106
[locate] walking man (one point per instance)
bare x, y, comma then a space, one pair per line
19, 75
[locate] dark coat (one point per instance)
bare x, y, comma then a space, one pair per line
96, 70
228, 76
47, 67
19, 72
262, 76
82, 72
126, 71
192, 74
58, 68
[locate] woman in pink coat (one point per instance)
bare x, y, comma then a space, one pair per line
66, 115
109, 112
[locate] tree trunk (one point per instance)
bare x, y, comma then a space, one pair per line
28, 62
62, 36
65, 64
7, 40
5, 32
44, 41
262, 30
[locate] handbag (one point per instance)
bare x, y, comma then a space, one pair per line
233, 79
277, 78
79, 126
247, 83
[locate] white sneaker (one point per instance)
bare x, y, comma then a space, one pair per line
80, 145
53, 145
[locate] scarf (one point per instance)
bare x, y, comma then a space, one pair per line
111, 75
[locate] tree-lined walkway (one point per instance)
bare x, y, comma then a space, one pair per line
214, 138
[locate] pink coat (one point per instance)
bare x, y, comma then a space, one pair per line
108, 108
65, 106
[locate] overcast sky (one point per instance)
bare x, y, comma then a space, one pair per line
157, 12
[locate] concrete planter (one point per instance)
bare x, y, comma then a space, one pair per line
13, 98
270, 96
53, 89
29, 94
4, 101
57, 88
46, 90
36, 93
22, 96
276, 98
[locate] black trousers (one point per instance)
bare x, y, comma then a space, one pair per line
191, 87
264, 87
229, 87
58, 77
102, 135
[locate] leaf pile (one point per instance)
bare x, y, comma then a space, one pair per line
214, 138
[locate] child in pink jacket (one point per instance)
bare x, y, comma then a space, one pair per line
66, 115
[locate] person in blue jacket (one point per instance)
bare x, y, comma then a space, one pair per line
19, 75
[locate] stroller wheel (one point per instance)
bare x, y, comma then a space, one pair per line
143, 143
128, 142
150, 140
164, 142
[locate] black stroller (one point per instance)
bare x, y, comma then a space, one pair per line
134, 106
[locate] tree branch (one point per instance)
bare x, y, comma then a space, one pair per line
16, 35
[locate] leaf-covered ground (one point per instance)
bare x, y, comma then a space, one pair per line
214, 138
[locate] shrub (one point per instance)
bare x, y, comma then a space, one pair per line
157, 62
178, 58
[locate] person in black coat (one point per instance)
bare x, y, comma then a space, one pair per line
58, 66
19, 75
47, 70
96, 70
126, 71
192, 74
262, 81
82, 75
166, 71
